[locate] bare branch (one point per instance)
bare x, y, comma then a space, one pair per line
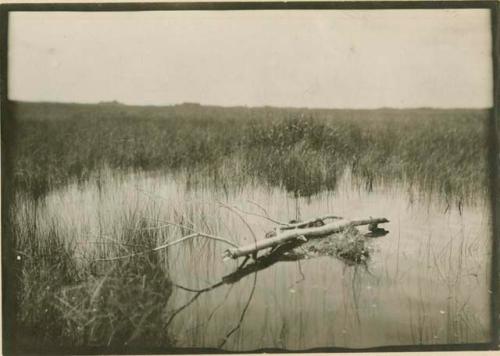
167, 224
107, 242
241, 218
214, 310
265, 211
261, 216
310, 221
217, 238
258, 206
191, 301
170, 244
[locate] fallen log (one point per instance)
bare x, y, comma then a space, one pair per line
263, 262
299, 234
309, 223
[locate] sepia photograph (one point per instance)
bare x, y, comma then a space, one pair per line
229, 179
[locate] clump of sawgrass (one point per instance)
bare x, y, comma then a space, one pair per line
125, 307
66, 300
300, 171
43, 269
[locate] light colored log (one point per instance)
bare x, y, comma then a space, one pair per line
308, 233
302, 224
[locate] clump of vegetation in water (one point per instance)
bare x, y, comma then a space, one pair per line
349, 246
66, 299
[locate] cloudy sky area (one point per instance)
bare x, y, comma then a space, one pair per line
332, 59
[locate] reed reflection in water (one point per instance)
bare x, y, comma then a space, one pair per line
425, 282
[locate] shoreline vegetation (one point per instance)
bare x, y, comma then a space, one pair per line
305, 151
66, 300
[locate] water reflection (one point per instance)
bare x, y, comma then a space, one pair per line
426, 281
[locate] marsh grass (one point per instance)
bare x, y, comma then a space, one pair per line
305, 151
70, 300
66, 299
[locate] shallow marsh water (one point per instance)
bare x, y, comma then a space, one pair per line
425, 282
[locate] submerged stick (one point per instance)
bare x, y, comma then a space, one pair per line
307, 233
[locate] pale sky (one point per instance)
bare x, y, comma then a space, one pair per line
313, 58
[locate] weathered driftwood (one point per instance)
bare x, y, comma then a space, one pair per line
308, 223
300, 234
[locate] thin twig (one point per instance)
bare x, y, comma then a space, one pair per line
242, 316
258, 206
217, 238
178, 310
166, 222
178, 225
241, 218
169, 244
119, 243
214, 310
187, 289
107, 242
261, 216
191, 301
149, 250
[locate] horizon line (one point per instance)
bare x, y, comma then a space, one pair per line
117, 102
